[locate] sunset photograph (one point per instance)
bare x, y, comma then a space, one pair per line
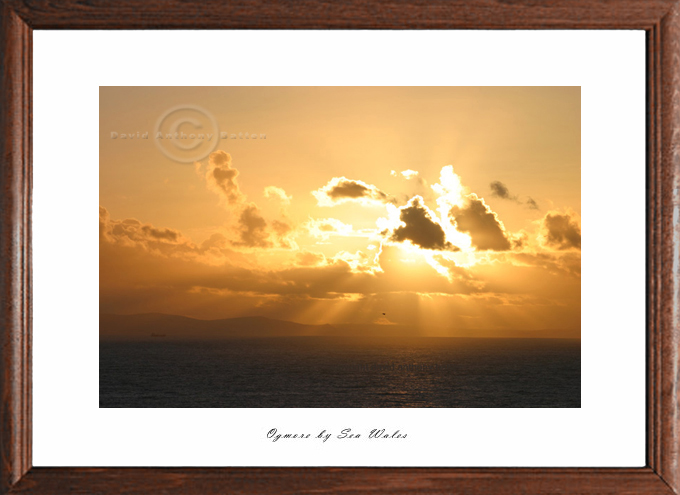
299, 247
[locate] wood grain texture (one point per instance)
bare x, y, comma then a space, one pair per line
659, 18
348, 481
654, 258
340, 14
669, 252
15, 245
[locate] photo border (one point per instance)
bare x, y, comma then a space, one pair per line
660, 19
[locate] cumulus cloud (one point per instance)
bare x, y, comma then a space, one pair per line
222, 177
342, 190
274, 192
562, 231
254, 232
133, 232
420, 226
247, 222
481, 223
252, 228
449, 189
532, 204
158, 241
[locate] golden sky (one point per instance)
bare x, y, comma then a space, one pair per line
452, 210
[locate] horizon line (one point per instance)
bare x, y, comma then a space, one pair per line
356, 324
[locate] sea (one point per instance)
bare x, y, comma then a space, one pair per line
340, 372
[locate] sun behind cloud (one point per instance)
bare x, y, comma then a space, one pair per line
287, 230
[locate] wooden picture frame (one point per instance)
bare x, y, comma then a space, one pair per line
661, 21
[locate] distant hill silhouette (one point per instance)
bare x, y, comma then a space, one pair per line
172, 326
159, 325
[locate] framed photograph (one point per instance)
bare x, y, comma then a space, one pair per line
326, 267
385, 285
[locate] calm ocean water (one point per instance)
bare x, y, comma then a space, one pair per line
338, 372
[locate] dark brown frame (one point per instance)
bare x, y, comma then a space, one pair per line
661, 21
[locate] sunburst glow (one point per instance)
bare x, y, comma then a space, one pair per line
451, 208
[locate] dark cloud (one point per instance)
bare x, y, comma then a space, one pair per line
252, 228
561, 231
477, 219
254, 232
420, 228
341, 189
349, 189
500, 190
168, 235
221, 177
131, 231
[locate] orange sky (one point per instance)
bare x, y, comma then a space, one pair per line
453, 210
